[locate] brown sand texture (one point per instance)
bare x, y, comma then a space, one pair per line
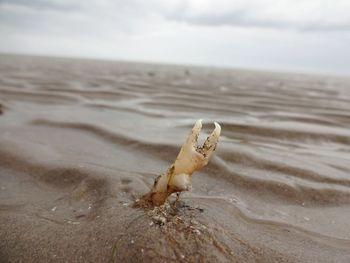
81, 140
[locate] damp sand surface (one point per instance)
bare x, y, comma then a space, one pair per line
81, 140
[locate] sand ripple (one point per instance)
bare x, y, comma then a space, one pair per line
80, 140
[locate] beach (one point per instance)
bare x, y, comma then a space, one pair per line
81, 140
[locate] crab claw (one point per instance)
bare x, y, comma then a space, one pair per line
193, 157
190, 159
210, 143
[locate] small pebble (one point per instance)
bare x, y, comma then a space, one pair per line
194, 222
197, 232
159, 219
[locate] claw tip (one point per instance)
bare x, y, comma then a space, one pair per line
217, 129
198, 124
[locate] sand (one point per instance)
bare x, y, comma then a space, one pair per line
81, 140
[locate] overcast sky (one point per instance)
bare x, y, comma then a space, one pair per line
293, 35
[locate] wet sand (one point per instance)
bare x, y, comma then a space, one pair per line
81, 140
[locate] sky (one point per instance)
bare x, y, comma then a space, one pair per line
285, 35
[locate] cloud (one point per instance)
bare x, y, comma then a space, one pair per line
282, 34
306, 15
41, 4
309, 15
89, 17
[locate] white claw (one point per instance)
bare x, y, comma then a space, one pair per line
210, 143
193, 136
190, 159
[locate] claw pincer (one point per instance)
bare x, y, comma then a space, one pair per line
190, 159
